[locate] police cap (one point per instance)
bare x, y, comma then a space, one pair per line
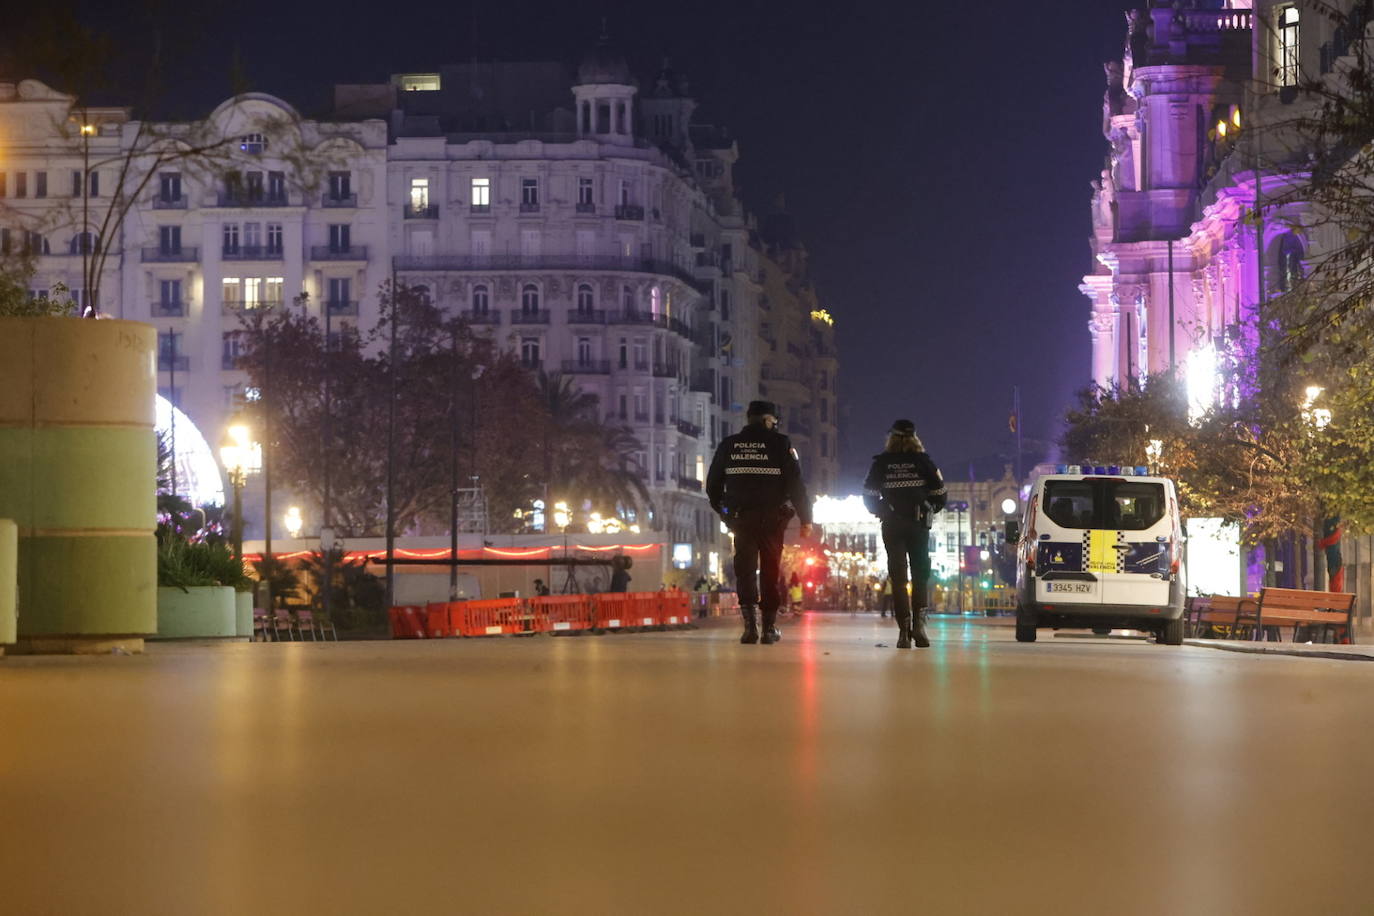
762, 409
904, 427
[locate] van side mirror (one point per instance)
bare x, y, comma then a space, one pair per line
1013, 532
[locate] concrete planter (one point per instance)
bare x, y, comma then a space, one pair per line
243, 614
78, 457
202, 612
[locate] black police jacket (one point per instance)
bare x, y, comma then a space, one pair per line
756, 469
901, 485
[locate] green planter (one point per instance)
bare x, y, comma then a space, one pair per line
202, 611
243, 614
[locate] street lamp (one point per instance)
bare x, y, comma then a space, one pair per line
293, 521
241, 456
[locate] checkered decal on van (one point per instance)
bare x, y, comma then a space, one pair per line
1100, 553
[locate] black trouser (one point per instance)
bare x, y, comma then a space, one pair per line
906, 540
758, 554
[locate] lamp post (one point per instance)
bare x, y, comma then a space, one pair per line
241, 456
562, 517
1328, 539
294, 521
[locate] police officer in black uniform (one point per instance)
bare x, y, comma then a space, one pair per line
753, 478
902, 488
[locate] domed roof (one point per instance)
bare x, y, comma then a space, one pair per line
604, 65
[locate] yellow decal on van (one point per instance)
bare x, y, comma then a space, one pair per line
1101, 550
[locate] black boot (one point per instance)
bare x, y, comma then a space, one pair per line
903, 630
918, 630
751, 627
771, 633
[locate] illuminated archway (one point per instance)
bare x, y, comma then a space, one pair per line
198, 476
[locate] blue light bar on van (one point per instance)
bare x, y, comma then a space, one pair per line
1142, 471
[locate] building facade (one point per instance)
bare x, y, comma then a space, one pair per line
588, 227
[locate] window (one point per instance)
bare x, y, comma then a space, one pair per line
255, 186
231, 291
232, 348
76, 183
339, 237
641, 404
272, 290
252, 292
340, 185
481, 193
252, 237
21, 184
529, 352
1286, 46
825, 380
169, 346
94, 182
420, 82
641, 354
84, 243
529, 299
274, 238
530, 243
1290, 271
627, 300
481, 301
624, 413
481, 242
253, 144
584, 351
230, 234
419, 194
276, 186
340, 289
171, 292
624, 193
725, 305
825, 445
40, 184
584, 192
529, 193
624, 358
1104, 503
655, 301
585, 300
169, 186
825, 410
585, 242
169, 239
4, 240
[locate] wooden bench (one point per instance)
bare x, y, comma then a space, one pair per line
1329, 613
1216, 615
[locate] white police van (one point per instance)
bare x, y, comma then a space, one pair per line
1099, 547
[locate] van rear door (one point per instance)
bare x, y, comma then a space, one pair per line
1062, 531
1136, 516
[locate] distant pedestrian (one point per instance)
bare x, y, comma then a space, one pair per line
540, 588
620, 576
902, 489
755, 485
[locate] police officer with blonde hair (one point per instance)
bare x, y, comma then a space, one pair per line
902, 489
755, 485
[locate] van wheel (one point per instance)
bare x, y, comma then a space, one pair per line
1025, 626
1171, 633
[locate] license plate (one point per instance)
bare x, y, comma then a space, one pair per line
1072, 588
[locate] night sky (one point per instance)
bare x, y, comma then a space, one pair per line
936, 157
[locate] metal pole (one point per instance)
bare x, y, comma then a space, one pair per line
267, 465
453, 473
236, 481
391, 454
1016, 407
326, 531
172, 391
959, 556
1172, 354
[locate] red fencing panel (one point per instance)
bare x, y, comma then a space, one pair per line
437, 621
407, 622
648, 608
613, 610
491, 617
564, 613
676, 609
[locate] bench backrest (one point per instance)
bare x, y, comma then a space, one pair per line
1297, 599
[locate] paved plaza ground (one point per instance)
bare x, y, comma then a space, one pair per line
685, 773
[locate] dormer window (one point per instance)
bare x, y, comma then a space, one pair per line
253, 144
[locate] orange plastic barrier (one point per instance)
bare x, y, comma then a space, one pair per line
407, 622
675, 609
438, 620
490, 617
627, 610
563, 613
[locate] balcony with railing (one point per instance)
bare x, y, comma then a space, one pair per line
528, 206
235, 199
338, 252
183, 254
479, 263
689, 429
522, 316
587, 366
169, 203
482, 317
162, 309
251, 253
234, 306
166, 362
586, 207
429, 211
666, 370
229, 362
338, 201
340, 308
704, 382
586, 316
479, 209
629, 211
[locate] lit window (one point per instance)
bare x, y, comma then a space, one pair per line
420, 82
419, 194
481, 192
1286, 56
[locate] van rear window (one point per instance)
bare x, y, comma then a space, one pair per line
1122, 505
